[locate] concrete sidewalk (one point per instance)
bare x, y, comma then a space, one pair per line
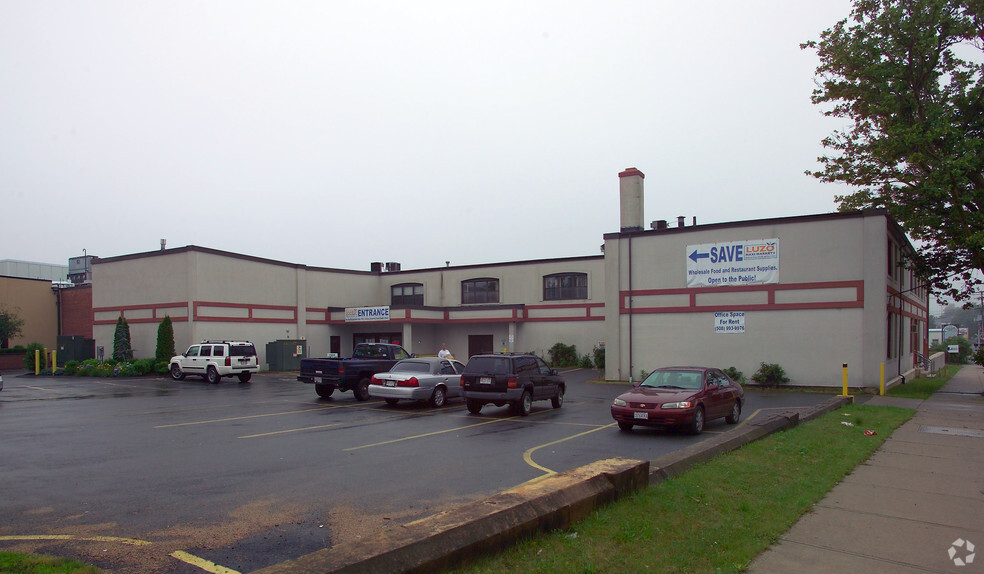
916, 506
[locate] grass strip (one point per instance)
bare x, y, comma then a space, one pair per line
923, 388
716, 517
15, 563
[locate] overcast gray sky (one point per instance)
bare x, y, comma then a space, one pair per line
338, 133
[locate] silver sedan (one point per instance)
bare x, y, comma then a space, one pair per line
419, 379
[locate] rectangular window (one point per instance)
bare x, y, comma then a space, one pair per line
478, 291
565, 286
404, 295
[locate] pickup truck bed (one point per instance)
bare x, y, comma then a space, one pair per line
351, 374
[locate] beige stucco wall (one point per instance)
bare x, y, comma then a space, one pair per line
240, 288
810, 344
33, 301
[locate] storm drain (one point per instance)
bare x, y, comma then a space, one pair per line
953, 431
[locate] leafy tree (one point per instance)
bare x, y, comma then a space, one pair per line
11, 325
907, 75
121, 340
165, 340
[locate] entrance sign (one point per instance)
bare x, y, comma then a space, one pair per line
733, 263
729, 322
359, 314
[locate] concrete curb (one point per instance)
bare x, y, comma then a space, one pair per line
447, 540
556, 502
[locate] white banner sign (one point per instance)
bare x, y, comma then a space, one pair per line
734, 263
357, 314
729, 322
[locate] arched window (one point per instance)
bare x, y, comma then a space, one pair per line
483, 290
407, 294
560, 286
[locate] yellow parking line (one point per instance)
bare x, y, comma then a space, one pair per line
205, 565
528, 455
426, 434
242, 418
130, 541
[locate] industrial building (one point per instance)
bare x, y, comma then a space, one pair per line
810, 293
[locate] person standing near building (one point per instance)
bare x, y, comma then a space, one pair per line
444, 353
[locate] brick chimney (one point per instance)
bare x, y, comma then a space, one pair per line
630, 195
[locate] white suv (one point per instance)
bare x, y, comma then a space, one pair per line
216, 359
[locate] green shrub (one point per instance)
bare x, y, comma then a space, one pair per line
562, 355
962, 357
770, 375
71, 368
29, 357
736, 375
599, 357
144, 366
161, 367
586, 362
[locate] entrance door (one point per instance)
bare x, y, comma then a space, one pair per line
479, 345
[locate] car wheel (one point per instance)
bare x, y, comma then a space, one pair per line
735, 414
474, 407
439, 397
245, 377
361, 390
697, 425
558, 400
391, 402
212, 375
625, 426
324, 391
525, 404
176, 373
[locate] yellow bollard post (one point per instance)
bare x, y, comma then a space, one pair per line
845, 380
54, 361
882, 385
37, 361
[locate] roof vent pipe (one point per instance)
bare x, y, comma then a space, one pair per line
695, 220
680, 220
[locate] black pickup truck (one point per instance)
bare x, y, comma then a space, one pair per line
351, 374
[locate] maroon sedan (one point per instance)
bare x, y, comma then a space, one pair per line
680, 396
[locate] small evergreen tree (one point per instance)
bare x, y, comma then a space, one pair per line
121, 341
165, 340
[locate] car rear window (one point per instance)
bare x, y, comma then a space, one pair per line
489, 365
242, 350
411, 367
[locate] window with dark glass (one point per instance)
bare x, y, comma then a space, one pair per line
480, 291
565, 286
407, 294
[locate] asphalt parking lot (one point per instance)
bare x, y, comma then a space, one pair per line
153, 475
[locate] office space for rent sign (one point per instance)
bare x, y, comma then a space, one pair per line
733, 263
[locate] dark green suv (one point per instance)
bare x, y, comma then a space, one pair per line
516, 380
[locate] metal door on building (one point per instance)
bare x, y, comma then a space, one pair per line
479, 345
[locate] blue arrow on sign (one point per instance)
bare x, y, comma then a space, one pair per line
695, 256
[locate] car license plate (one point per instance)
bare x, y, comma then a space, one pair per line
485, 380
390, 383
639, 415
317, 380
